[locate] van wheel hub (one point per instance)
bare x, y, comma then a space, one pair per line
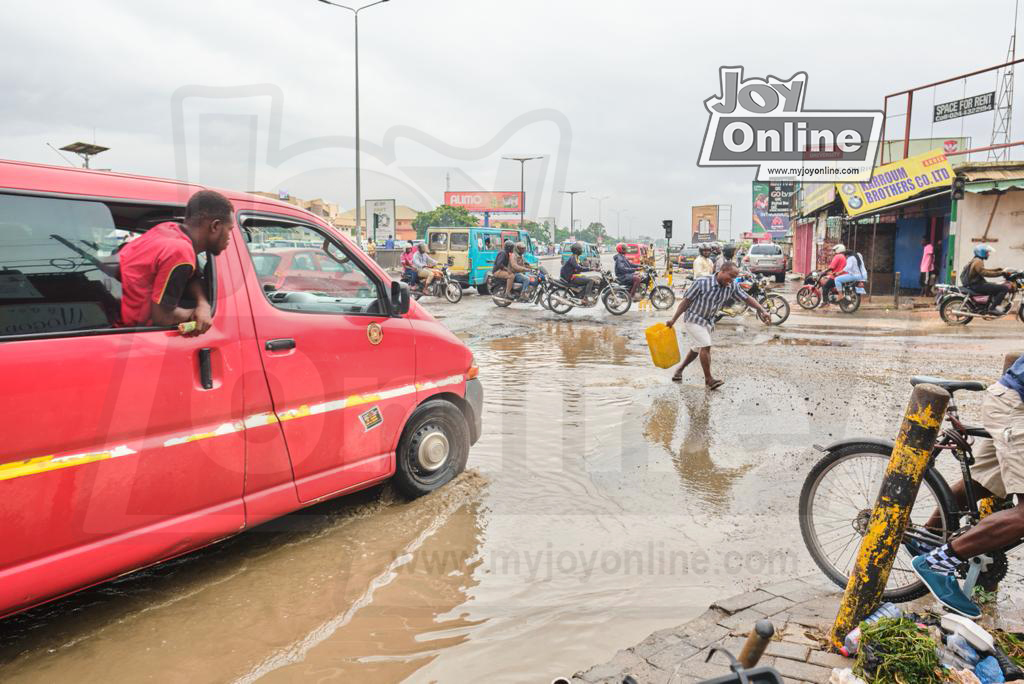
433, 451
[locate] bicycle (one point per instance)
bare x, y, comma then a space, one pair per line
851, 472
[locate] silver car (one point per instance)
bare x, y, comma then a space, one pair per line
767, 258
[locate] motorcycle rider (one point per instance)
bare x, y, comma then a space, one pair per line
974, 274
424, 265
520, 269
573, 272
836, 268
854, 273
503, 266
703, 265
625, 272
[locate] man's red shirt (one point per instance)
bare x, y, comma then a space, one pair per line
155, 267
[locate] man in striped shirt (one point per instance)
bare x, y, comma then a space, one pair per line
699, 307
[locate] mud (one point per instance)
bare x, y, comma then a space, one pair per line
604, 502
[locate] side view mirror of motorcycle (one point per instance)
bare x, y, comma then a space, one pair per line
399, 298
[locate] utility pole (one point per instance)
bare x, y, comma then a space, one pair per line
359, 195
572, 208
599, 201
522, 186
618, 222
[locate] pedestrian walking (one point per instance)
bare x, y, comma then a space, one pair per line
927, 266
700, 306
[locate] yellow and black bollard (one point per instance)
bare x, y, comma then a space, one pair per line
878, 548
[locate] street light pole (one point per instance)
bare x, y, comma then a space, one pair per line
522, 186
572, 207
359, 193
599, 201
618, 221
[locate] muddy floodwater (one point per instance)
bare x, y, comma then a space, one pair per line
602, 502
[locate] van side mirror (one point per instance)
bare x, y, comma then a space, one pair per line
399, 298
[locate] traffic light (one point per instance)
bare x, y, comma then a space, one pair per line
667, 225
958, 187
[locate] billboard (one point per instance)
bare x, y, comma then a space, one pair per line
896, 182
704, 223
772, 204
380, 219
816, 196
485, 201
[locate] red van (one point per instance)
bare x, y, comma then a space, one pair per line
126, 446
635, 254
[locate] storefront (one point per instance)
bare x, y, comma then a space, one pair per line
989, 213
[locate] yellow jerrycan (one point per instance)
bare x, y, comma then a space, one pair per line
663, 344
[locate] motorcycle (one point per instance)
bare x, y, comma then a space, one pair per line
809, 296
562, 296
960, 305
535, 291
756, 286
442, 286
661, 296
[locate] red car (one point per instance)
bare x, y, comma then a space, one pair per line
124, 446
305, 269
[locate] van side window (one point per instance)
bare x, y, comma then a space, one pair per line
438, 242
460, 242
325, 278
58, 269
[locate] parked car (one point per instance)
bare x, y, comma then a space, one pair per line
126, 446
766, 258
686, 257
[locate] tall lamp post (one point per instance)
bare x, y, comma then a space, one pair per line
572, 208
599, 201
522, 186
359, 194
618, 221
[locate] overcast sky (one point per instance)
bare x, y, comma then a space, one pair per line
612, 94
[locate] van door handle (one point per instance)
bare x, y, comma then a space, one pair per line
205, 371
281, 344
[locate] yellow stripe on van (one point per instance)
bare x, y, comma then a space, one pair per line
42, 464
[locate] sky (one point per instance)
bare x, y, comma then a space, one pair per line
259, 94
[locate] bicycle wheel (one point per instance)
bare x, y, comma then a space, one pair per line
835, 507
808, 297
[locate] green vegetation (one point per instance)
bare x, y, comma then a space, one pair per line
897, 652
444, 215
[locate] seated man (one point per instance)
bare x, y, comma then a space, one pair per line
518, 266
625, 273
424, 265
573, 272
159, 268
998, 471
974, 275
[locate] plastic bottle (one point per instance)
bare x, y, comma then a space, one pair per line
852, 641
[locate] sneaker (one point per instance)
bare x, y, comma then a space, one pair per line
945, 589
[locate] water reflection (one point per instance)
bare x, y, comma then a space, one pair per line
698, 472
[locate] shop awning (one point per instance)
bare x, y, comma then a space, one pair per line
995, 185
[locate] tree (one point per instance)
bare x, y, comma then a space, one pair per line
444, 215
592, 232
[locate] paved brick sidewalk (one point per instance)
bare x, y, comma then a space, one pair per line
800, 609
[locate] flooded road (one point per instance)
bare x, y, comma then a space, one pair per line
603, 502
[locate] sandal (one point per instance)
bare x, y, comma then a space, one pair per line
715, 385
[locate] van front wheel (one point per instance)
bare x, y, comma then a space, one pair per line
433, 449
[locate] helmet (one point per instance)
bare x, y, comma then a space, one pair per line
620, 248
840, 248
520, 247
984, 251
576, 248
704, 247
507, 245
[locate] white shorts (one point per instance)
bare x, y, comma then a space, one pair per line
999, 462
697, 336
